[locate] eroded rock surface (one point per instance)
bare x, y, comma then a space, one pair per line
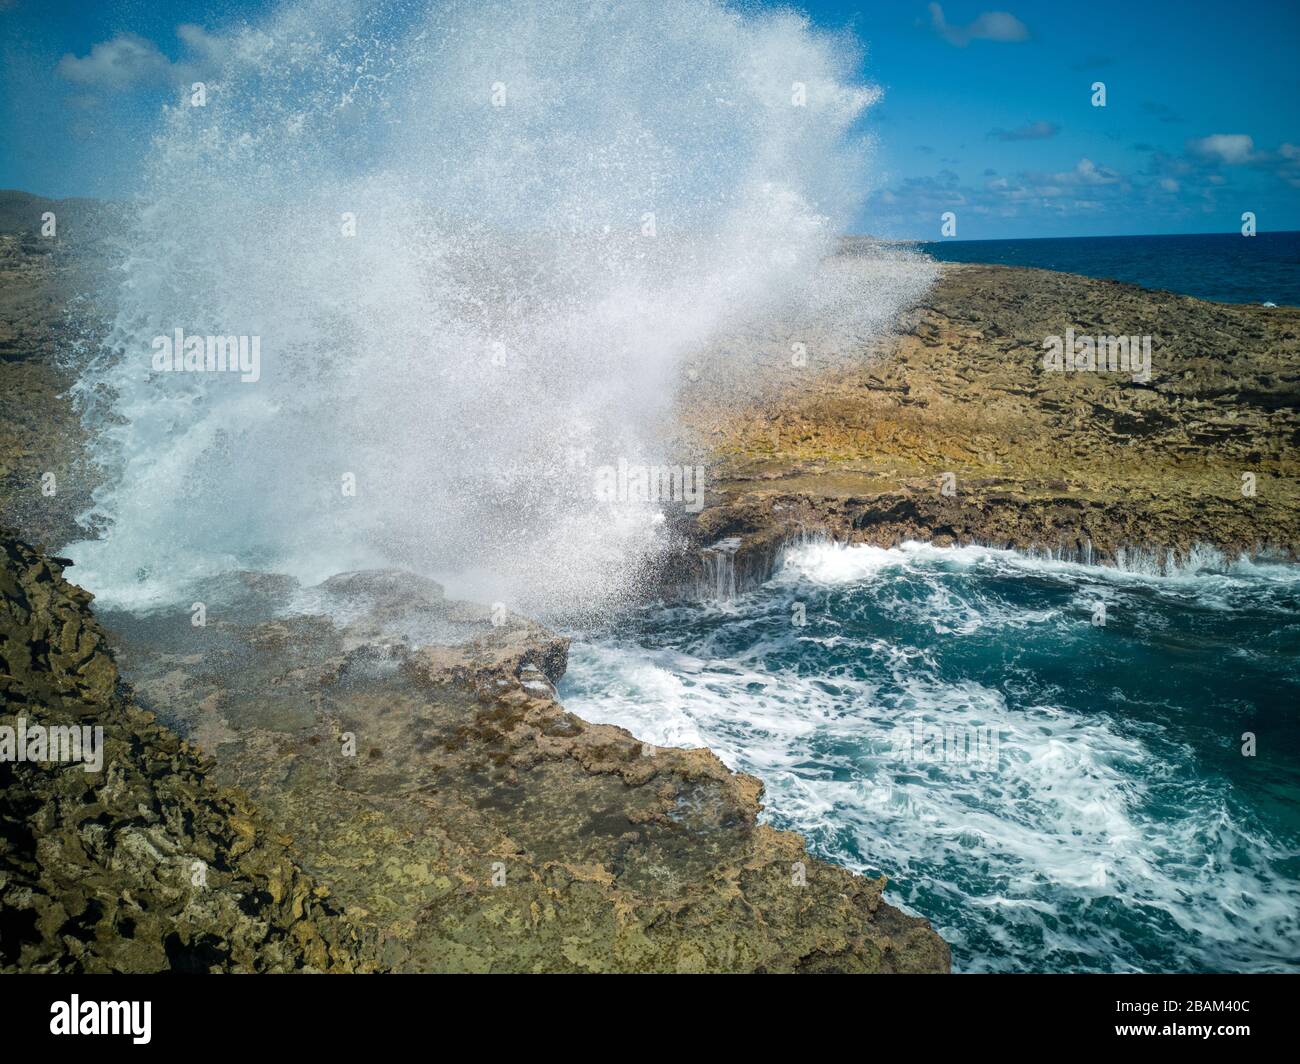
458, 811
146, 864
1092, 465
45, 307
434, 807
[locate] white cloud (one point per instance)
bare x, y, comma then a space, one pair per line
122, 62
130, 61
988, 26
1229, 148
1086, 172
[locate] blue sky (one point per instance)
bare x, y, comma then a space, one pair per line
987, 109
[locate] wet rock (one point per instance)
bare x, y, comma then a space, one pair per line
145, 864
470, 823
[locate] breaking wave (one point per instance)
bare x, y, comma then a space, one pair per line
475, 243
1119, 826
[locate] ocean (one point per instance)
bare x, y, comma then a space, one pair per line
1053, 793
465, 289
1225, 267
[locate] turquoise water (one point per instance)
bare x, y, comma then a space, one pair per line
1226, 267
1091, 809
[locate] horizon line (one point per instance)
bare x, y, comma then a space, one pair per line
1088, 236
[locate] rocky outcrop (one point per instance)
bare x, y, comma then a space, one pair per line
462, 820
459, 812
955, 433
44, 307
383, 778
351, 802
143, 864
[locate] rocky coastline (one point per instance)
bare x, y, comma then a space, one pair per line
313, 795
307, 792
146, 864
954, 433
369, 807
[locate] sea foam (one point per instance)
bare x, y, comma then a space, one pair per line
1119, 829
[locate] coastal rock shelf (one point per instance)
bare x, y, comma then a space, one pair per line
443, 812
375, 777
432, 809
1088, 465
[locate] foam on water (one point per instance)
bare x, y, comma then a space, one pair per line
1119, 828
555, 204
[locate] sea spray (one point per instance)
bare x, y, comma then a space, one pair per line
473, 238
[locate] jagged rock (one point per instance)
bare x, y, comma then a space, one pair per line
146, 864
460, 813
610, 856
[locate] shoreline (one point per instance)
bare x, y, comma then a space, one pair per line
615, 858
453, 813
956, 434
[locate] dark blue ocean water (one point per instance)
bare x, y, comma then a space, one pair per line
1052, 793
1226, 267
